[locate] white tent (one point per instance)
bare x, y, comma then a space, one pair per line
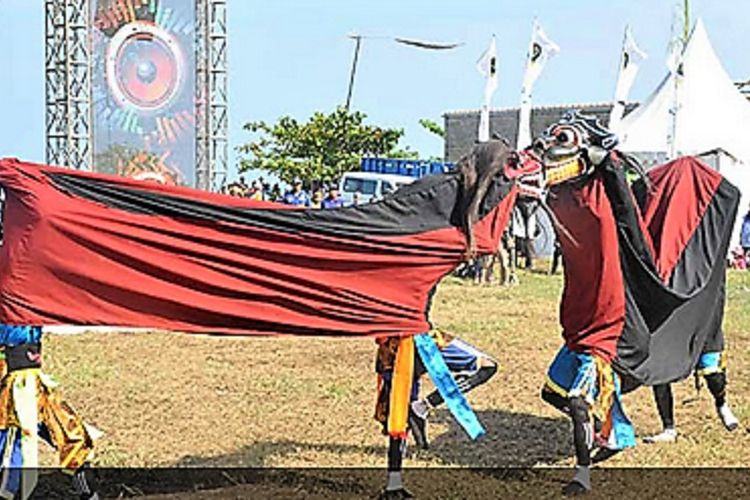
711, 115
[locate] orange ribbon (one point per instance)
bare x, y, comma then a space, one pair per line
401, 384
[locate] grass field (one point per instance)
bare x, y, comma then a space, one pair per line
179, 400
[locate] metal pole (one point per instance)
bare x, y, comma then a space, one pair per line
686, 26
357, 47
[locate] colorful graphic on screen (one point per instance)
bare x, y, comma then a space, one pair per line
144, 89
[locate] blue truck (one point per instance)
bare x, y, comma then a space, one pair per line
409, 168
380, 176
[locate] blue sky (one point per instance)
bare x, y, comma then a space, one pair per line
293, 57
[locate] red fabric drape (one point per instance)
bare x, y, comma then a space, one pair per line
592, 310
67, 259
682, 191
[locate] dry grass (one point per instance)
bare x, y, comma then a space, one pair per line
168, 399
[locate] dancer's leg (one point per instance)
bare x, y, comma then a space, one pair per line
394, 489
583, 440
712, 366
665, 405
471, 368
717, 384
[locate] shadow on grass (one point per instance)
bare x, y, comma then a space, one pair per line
514, 441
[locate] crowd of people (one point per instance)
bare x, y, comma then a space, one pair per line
320, 196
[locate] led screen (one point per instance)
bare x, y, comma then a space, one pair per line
143, 87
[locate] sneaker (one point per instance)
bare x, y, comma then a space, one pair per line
665, 436
727, 417
395, 494
581, 483
418, 426
574, 489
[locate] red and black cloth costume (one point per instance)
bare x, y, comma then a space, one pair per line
675, 299
653, 308
644, 280
90, 249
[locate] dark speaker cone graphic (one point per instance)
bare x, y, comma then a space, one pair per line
145, 67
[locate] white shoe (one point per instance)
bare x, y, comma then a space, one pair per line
727, 417
665, 436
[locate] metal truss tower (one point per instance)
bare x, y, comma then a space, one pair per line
68, 84
68, 71
212, 120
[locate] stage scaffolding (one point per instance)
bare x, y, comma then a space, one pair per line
68, 88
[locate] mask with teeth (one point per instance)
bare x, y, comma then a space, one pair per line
573, 147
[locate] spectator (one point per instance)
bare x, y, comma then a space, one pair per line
745, 235
524, 231
556, 257
356, 198
274, 194
297, 196
256, 192
242, 183
738, 260
236, 189
333, 200
317, 199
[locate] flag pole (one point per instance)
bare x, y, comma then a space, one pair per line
355, 62
686, 25
679, 44
421, 44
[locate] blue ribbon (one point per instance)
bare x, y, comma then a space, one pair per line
445, 383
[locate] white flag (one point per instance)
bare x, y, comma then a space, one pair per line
487, 66
678, 38
630, 58
676, 50
541, 49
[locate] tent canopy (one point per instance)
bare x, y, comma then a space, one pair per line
711, 111
712, 115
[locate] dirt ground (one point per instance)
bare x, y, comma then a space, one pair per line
175, 400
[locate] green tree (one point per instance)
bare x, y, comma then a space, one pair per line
323, 148
433, 127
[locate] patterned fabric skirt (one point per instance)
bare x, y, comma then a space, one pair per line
441, 355
461, 358
589, 377
31, 409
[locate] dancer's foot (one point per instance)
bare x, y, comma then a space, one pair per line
84, 483
727, 417
398, 494
580, 484
666, 436
574, 488
418, 425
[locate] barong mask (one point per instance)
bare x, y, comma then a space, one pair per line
569, 150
